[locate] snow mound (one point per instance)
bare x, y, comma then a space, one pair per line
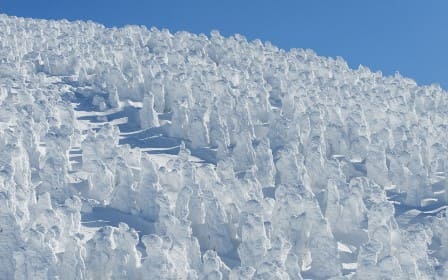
138, 154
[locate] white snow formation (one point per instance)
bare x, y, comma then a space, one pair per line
128, 153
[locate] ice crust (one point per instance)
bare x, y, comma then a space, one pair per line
128, 153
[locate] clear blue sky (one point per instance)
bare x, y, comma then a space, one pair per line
409, 36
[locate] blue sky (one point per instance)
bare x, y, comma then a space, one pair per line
409, 36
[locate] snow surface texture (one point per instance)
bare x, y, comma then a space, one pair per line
138, 154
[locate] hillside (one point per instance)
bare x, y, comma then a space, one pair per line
128, 153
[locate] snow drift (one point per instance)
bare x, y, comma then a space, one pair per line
128, 153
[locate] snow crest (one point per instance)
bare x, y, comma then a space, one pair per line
128, 153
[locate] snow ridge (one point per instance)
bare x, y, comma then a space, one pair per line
128, 153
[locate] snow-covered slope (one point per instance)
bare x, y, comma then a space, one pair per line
138, 154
